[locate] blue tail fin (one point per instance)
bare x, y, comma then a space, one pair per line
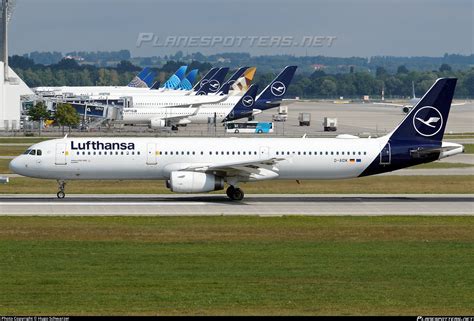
156, 85
142, 80
236, 75
176, 78
418, 138
149, 79
224, 90
187, 83
244, 107
206, 78
427, 120
214, 83
277, 89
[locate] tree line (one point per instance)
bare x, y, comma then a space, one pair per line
354, 83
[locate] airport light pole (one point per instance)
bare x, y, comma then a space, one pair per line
7, 10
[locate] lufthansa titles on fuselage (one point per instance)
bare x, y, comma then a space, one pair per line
97, 145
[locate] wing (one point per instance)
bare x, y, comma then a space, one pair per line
177, 118
390, 104
250, 170
199, 101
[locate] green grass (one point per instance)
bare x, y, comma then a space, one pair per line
366, 185
236, 265
440, 165
23, 140
12, 150
4, 166
469, 148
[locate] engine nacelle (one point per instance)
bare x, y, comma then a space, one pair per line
406, 109
157, 123
192, 182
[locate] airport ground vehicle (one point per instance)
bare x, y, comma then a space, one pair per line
304, 119
330, 124
282, 114
249, 127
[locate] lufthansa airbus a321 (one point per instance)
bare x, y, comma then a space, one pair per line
195, 165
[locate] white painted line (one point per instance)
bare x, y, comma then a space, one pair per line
103, 204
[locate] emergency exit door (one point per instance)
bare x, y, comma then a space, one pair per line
151, 154
60, 158
264, 153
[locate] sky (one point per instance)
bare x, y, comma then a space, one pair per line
340, 28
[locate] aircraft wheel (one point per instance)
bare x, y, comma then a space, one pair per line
238, 195
61, 195
230, 191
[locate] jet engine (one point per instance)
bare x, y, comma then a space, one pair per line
157, 123
193, 182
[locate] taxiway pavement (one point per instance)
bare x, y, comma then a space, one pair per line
256, 205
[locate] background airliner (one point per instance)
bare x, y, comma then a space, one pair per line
406, 107
195, 165
170, 111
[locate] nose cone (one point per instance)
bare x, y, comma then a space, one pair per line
16, 166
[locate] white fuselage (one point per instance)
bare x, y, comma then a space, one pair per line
156, 158
198, 115
110, 91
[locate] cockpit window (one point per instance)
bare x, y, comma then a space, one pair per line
39, 152
27, 152
33, 152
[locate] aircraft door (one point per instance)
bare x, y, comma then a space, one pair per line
60, 158
386, 155
151, 154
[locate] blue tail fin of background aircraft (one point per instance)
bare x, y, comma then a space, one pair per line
142, 80
277, 89
426, 121
206, 78
187, 83
176, 78
244, 107
150, 79
236, 75
156, 85
214, 83
224, 89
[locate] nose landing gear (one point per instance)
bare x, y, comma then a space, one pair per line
235, 194
61, 194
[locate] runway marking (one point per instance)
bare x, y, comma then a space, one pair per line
103, 203
255, 205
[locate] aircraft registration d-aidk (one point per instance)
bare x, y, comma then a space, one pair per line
195, 165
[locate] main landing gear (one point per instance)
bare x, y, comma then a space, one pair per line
235, 193
62, 185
